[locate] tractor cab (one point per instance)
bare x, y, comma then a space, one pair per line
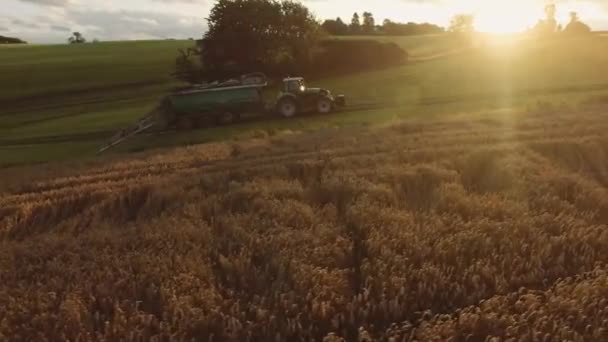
294, 85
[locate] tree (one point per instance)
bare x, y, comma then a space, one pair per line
342, 27
257, 35
355, 24
185, 67
77, 38
335, 27
11, 40
462, 23
549, 25
398, 29
550, 11
369, 23
576, 26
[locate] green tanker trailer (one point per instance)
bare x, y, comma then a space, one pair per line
224, 103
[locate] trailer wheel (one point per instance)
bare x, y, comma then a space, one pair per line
287, 107
204, 121
324, 105
184, 123
227, 118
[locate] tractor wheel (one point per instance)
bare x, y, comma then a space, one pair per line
287, 107
324, 105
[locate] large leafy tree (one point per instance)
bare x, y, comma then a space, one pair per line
257, 35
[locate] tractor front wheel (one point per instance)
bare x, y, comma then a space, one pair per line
287, 107
324, 105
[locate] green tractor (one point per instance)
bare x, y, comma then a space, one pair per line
296, 98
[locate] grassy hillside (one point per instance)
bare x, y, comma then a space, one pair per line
45, 72
61, 102
85, 91
419, 46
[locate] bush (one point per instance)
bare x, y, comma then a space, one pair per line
327, 57
346, 55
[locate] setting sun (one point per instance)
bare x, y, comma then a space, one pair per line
518, 15
505, 17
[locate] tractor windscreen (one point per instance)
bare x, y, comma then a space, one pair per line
296, 85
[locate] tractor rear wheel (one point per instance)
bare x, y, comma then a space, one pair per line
324, 105
287, 107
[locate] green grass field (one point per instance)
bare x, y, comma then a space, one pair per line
62, 102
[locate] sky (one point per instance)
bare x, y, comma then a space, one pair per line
52, 21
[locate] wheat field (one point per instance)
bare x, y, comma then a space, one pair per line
473, 227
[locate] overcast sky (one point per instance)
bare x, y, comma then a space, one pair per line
51, 21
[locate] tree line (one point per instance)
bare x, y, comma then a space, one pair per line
11, 40
278, 38
366, 25
549, 24
282, 37
76, 38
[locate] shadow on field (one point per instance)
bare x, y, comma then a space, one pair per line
101, 135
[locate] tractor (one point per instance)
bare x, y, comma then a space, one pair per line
295, 98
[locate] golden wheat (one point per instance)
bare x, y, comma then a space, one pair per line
487, 227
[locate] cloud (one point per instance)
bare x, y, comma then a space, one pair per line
132, 24
24, 24
3, 28
58, 3
60, 28
50, 20
202, 2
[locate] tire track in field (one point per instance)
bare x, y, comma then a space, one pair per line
101, 135
116, 178
461, 136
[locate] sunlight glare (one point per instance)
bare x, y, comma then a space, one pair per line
503, 17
